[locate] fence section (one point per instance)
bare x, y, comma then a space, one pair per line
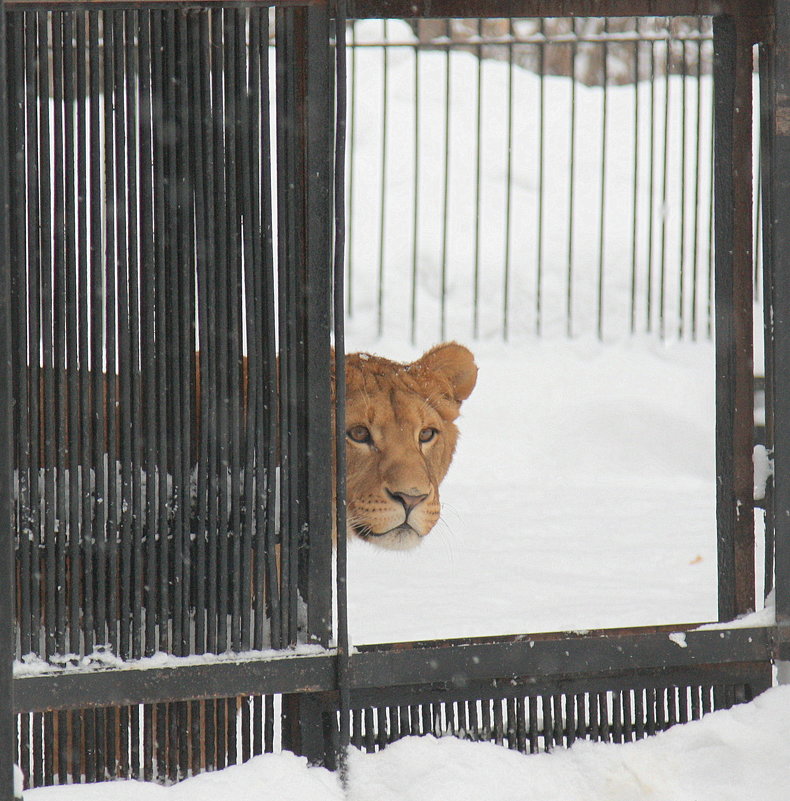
163, 498
513, 178
155, 425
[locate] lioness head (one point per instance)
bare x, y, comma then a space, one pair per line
400, 440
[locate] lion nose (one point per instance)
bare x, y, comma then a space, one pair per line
408, 501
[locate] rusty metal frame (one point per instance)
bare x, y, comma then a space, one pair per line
447, 664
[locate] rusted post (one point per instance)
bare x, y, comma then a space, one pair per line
733, 295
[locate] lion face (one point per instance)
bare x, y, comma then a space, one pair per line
400, 440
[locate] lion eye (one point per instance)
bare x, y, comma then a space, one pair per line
359, 434
427, 434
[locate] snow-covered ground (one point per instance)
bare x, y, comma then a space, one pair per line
735, 755
582, 493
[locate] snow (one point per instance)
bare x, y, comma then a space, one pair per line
763, 470
582, 494
731, 755
33, 665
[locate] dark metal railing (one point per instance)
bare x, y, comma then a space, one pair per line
166, 375
531, 274
171, 371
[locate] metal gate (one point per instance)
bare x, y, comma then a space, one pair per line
171, 281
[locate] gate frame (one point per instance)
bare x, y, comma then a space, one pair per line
546, 661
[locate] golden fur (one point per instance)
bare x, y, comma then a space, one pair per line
400, 440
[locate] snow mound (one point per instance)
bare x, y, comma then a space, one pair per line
742, 753
731, 755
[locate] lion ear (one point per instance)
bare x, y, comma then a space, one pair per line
456, 364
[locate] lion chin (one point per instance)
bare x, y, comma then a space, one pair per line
400, 538
400, 440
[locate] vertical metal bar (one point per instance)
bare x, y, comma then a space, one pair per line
571, 191
268, 430
18, 237
541, 177
221, 288
581, 717
617, 716
635, 198
508, 187
58, 319
696, 702
415, 229
683, 704
383, 193
682, 233
711, 214
177, 290
628, 715
147, 356
352, 91
777, 262
127, 366
32, 356
162, 188
499, 726
213, 381
697, 157
47, 337
180, 383
24, 284
251, 250
734, 380
318, 322
37, 776
664, 193
602, 218
595, 720
16, 330
651, 191
201, 170
290, 241
478, 129
603, 714
570, 720
286, 235
344, 705
766, 62
187, 313
72, 363
147, 340
98, 276
534, 726
7, 636
131, 64
445, 189
110, 389
234, 379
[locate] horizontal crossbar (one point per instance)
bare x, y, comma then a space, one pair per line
123, 5
403, 9
520, 658
457, 9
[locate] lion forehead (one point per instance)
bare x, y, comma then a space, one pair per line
382, 389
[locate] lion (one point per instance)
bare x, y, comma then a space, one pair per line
400, 440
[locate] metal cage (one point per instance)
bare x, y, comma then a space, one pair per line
166, 372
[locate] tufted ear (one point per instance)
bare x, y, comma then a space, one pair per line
454, 363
